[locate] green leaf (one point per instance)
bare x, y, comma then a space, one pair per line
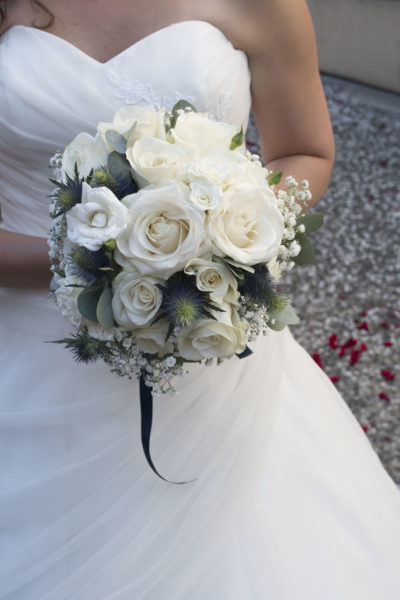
275, 178
180, 105
104, 311
119, 166
237, 140
307, 254
286, 316
311, 221
87, 302
277, 326
116, 141
109, 244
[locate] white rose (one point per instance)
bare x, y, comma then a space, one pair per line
204, 194
136, 122
156, 161
215, 278
164, 231
196, 130
67, 299
136, 299
247, 226
87, 152
225, 168
152, 340
98, 218
211, 339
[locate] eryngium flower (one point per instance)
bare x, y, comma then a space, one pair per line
67, 194
92, 266
84, 348
260, 288
183, 304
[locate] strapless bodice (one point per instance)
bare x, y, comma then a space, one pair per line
51, 91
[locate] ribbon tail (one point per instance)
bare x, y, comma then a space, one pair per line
146, 414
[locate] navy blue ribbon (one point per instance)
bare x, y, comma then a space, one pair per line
146, 411
146, 414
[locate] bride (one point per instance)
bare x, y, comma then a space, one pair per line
290, 502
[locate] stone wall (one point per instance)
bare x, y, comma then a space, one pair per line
359, 39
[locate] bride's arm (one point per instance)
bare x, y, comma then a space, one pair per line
288, 100
24, 261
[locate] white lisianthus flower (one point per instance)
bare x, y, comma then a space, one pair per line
204, 194
247, 226
156, 161
135, 122
211, 339
215, 278
136, 299
98, 218
196, 130
164, 230
152, 340
87, 152
67, 299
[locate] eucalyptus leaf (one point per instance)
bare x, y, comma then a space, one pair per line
104, 311
311, 221
277, 326
116, 141
87, 302
119, 166
237, 140
275, 178
287, 316
180, 105
307, 254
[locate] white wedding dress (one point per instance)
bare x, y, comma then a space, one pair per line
290, 500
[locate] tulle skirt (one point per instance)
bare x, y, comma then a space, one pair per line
289, 499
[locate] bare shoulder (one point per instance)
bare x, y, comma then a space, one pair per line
269, 29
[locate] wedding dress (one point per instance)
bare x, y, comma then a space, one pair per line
289, 501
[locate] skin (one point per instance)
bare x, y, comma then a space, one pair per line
288, 100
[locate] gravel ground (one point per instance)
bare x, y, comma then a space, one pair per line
349, 301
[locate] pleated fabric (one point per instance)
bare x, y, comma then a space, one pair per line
289, 499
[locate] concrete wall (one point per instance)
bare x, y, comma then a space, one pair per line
359, 39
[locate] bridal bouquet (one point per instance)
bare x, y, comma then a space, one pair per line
168, 241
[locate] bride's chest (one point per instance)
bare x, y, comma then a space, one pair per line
53, 88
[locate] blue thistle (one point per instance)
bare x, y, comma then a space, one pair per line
93, 266
121, 184
85, 349
259, 287
183, 304
69, 193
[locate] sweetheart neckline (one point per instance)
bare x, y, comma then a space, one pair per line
130, 47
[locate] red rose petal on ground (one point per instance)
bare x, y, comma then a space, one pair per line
364, 427
334, 378
387, 438
362, 348
364, 313
317, 359
385, 325
333, 341
388, 375
388, 344
363, 325
383, 163
342, 297
354, 356
384, 396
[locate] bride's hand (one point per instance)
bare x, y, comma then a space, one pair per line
24, 261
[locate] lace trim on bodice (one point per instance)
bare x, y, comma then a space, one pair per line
134, 91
